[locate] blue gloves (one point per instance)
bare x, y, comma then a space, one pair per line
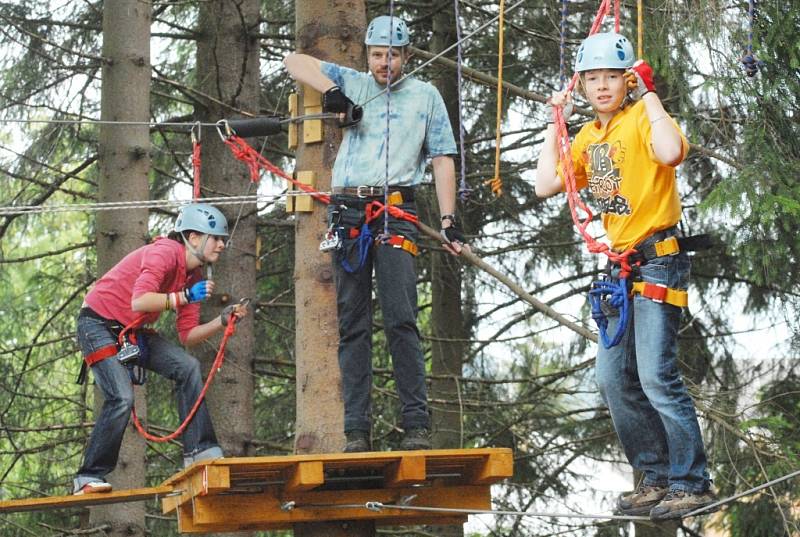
197, 292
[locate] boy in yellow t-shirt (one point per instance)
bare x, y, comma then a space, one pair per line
627, 158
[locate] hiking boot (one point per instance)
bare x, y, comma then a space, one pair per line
416, 438
679, 503
641, 500
357, 441
92, 487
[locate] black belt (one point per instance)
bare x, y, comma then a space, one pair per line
112, 324
647, 250
366, 191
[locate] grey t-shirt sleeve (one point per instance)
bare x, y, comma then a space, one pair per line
439, 138
344, 77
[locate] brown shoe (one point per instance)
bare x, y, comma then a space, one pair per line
679, 503
641, 500
357, 442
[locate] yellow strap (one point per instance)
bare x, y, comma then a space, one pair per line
668, 246
497, 182
640, 28
396, 198
659, 293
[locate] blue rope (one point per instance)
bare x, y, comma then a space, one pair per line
364, 244
749, 61
463, 189
388, 121
616, 295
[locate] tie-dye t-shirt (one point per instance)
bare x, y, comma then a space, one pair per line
419, 129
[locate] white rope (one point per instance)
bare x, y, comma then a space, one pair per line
140, 204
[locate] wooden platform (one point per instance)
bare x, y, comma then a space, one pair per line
261, 493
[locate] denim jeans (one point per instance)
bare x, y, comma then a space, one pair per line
396, 284
639, 380
166, 359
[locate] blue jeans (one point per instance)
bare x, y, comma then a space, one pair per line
639, 380
396, 276
166, 359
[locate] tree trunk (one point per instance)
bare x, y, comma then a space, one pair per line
228, 71
329, 30
447, 321
124, 159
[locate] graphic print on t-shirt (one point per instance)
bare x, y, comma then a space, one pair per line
604, 179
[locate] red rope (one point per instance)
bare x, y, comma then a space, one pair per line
255, 161
229, 330
196, 163
565, 156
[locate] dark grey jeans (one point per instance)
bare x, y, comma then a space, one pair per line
166, 359
396, 284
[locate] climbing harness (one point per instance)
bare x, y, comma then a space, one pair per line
750, 63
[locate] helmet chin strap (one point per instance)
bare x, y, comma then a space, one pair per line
198, 254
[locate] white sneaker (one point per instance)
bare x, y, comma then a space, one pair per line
93, 487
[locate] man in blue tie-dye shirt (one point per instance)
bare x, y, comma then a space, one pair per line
419, 129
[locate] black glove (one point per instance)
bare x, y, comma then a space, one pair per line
335, 101
453, 234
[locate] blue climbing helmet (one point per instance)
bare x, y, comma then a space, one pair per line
202, 218
604, 51
386, 31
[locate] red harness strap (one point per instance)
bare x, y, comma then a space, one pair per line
100, 354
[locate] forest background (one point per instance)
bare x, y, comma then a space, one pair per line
501, 374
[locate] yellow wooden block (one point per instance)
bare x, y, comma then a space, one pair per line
409, 470
305, 476
293, 101
304, 203
311, 97
495, 467
312, 128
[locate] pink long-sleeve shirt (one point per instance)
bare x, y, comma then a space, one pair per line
158, 267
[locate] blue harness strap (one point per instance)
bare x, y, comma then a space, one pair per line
616, 295
365, 241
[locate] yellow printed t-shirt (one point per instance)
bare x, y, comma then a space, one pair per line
637, 195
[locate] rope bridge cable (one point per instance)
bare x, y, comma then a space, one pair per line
404, 504
12, 210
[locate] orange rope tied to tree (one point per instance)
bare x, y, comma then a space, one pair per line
497, 182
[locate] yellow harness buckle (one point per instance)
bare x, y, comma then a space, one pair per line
668, 246
396, 198
658, 292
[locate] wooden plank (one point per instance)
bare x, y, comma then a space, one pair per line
409, 470
216, 479
304, 476
292, 134
303, 203
494, 467
61, 502
360, 460
258, 510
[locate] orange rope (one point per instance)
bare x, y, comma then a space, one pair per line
229, 330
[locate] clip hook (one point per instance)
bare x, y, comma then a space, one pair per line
223, 124
196, 132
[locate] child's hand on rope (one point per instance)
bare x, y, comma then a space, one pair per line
639, 79
199, 291
562, 99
